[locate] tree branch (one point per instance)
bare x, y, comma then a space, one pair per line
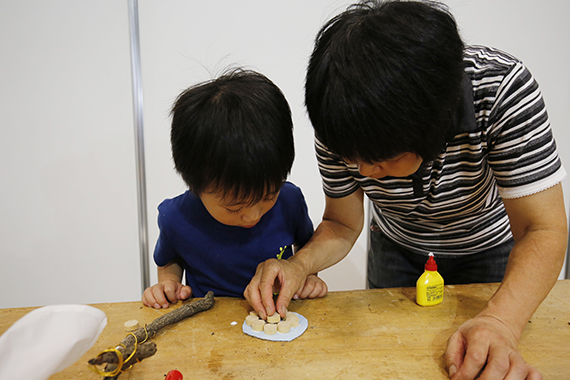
147, 349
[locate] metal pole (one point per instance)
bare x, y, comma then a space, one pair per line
139, 140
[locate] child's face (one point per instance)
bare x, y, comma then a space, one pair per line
232, 212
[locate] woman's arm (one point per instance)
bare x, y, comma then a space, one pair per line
538, 223
342, 223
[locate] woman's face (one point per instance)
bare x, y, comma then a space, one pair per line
402, 165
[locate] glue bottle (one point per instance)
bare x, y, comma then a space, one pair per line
429, 288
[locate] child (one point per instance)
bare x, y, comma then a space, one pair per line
232, 143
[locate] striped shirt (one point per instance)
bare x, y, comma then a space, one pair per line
503, 148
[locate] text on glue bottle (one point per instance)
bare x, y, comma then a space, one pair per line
429, 287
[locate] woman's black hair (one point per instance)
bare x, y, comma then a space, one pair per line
385, 78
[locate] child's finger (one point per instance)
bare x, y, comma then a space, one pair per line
160, 299
319, 290
314, 287
184, 292
171, 293
151, 300
148, 298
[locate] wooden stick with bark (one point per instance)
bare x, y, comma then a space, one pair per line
147, 349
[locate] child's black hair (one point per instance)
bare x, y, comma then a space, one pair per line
233, 135
385, 78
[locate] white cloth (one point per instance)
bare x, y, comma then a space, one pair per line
47, 340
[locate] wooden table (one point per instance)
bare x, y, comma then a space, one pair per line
369, 334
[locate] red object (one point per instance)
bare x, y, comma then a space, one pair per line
431, 265
173, 375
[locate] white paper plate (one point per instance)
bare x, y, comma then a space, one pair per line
279, 337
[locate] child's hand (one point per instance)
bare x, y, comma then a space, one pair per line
159, 295
314, 287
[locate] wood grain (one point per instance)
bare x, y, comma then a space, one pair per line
369, 334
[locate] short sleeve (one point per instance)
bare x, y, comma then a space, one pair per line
337, 180
522, 149
164, 251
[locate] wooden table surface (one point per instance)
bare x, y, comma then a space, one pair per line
368, 334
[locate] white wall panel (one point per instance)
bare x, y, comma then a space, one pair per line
67, 194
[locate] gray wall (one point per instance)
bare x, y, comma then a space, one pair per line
68, 190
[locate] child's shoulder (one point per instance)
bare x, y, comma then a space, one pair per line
184, 209
291, 192
181, 202
291, 188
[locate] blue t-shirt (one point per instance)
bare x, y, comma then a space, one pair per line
224, 258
